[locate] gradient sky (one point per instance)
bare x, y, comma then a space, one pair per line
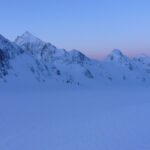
94, 27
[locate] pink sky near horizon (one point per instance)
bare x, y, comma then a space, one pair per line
101, 55
98, 52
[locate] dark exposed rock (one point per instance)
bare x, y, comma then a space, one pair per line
4, 63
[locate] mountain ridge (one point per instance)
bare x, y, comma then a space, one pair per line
35, 60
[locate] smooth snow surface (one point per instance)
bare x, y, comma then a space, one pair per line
75, 119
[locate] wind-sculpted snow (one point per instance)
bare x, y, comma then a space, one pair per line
33, 59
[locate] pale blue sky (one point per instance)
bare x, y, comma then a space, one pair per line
93, 26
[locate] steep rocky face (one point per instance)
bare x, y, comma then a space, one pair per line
11, 48
78, 57
8, 51
47, 52
58, 63
143, 62
4, 63
120, 59
33, 45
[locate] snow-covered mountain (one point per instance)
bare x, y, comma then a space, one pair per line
8, 50
31, 60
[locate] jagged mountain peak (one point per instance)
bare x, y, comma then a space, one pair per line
27, 33
117, 52
39, 49
117, 55
3, 39
7, 46
27, 37
77, 56
32, 44
76, 52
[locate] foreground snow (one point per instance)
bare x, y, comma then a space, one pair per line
75, 119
